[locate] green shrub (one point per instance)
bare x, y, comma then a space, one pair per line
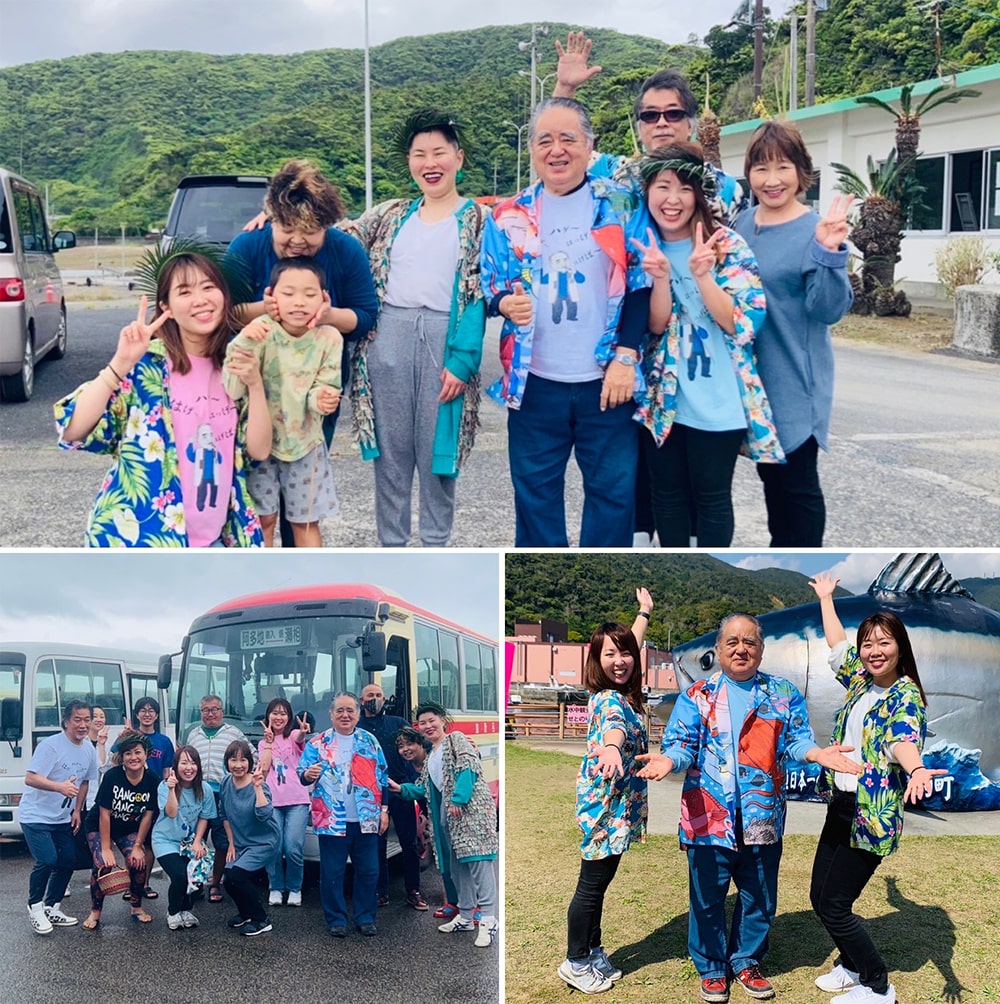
964, 261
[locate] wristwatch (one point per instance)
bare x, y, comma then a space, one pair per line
625, 360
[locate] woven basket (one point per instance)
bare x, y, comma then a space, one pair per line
112, 880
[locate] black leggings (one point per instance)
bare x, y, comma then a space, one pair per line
585, 909
242, 886
796, 512
839, 876
176, 867
691, 476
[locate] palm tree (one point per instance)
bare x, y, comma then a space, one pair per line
908, 120
877, 233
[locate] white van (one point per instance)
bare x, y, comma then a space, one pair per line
32, 308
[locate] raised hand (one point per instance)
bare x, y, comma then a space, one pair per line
572, 69
832, 229
654, 262
268, 731
257, 777
703, 255
823, 584
644, 599
303, 721
170, 778
102, 735
518, 306
134, 339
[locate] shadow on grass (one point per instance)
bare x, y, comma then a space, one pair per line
908, 938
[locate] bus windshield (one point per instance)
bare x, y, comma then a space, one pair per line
303, 659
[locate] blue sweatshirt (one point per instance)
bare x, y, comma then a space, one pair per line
807, 290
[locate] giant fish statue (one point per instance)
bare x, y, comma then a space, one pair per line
956, 643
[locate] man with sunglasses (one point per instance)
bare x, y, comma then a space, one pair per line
665, 112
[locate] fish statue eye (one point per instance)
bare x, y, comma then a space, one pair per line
707, 660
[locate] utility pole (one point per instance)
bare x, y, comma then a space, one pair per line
810, 53
793, 61
758, 48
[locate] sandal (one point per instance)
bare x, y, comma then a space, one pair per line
91, 923
215, 894
142, 917
150, 893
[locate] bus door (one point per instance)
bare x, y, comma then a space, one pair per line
395, 680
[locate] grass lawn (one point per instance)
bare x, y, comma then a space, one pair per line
922, 331
933, 908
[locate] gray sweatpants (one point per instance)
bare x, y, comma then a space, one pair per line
475, 880
405, 360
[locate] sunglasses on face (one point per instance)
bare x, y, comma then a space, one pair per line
651, 115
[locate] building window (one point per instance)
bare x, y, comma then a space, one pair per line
929, 213
993, 192
966, 191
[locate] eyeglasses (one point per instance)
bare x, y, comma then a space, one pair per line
651, 115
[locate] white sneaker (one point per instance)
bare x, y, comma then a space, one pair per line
59, 919
641, 540
838, 978
295, 898
175, 921
585, 979
458, 923
486, 934
40, 923
275, 899
603, 965
865, 995
188, 918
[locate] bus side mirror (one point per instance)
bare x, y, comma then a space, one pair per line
373, 652
164, 670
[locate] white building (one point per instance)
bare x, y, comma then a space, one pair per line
959, 164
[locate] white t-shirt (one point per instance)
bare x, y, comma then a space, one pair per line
422, 263
435, 766
58, 758
571, 301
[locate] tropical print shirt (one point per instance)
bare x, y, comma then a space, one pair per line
512, 252
376, 230
731, 772
139, 503
368, 777
898, 717
727, 204
611, 812
737, 274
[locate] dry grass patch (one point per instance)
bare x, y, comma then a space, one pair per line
922, 331
933, 908
86, 255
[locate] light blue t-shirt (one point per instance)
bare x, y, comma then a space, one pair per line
169, 834
571, 300
57, 758
708, 393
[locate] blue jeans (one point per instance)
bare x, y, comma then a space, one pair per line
554, 420
362, 848
53, 847
291, 820
753, 868
404, 822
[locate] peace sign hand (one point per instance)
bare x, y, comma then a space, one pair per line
303, 721
654, 262
268, 732
832, 229
133, 342
703, 256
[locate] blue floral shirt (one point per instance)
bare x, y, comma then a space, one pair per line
139, 503
898, 717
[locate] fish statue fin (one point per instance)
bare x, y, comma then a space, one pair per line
918, 573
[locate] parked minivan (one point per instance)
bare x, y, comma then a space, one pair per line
213, 207
32, 308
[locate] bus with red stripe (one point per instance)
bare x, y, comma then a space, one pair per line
309, 643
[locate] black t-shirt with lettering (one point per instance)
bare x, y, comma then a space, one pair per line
126, 801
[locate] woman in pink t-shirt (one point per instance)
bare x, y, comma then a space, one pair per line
179, 442
280, 750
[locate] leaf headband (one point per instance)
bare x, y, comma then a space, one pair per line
153, 261
650, 167
423, 120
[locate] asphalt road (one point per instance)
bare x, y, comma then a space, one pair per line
409, 960
914, 461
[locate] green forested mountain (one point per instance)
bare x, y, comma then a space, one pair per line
691, 593
111, 134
